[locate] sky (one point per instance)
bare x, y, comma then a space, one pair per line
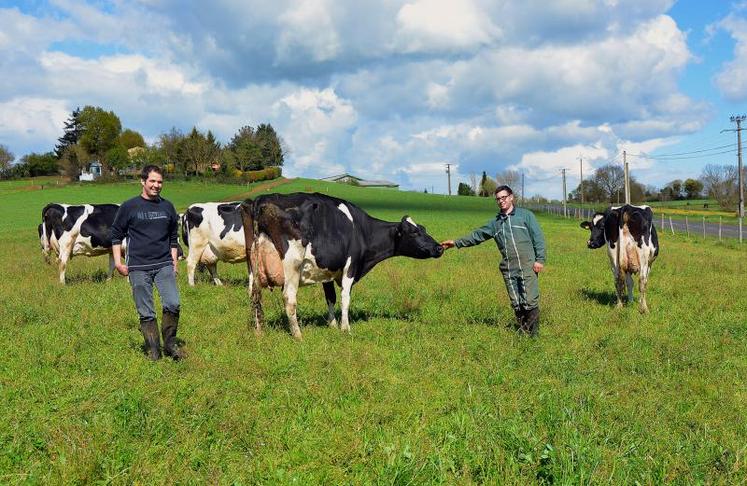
395, 90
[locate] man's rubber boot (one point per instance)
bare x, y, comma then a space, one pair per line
169, 326
152, 345
533, 321
520, 319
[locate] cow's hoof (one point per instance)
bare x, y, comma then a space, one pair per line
333, 323
643, 310
619, 305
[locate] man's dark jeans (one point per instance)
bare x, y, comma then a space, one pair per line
142, 282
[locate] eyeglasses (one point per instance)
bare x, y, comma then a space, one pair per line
502, 198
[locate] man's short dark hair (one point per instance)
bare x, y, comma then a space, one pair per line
148, 169
503, 188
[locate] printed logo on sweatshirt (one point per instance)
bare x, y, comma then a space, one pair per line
150, 215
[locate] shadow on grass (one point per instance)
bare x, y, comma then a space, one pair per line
98, 276
603, 298
318, 319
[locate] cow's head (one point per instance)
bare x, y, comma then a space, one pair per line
413, 241
596, 225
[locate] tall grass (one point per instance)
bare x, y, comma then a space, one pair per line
431, 386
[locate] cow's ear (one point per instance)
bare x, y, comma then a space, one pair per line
586, 225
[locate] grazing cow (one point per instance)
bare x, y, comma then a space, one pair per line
213, 232
301, 239
68, 231
632, 246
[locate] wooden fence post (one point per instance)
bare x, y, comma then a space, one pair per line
704, 227
687, 227
719, 228
671, 226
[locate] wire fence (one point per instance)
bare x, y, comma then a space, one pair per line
690, 226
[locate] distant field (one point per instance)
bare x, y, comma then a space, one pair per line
430, 387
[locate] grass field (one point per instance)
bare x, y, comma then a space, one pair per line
430, 386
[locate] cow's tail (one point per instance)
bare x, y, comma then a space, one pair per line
45, 229
249, 222
185, 228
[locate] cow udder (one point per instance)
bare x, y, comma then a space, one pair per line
269, 265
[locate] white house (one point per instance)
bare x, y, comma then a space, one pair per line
92, 173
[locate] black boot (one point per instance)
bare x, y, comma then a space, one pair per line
152, 345
168, 330
533, 321
520, 319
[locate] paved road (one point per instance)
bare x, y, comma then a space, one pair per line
695, 225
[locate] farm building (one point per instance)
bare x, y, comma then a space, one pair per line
92, 172
357, 181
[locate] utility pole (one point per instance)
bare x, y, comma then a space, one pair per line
448, 173
627, 178
565, 207
738, 119
522, 188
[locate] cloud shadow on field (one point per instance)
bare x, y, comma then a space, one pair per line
606, 298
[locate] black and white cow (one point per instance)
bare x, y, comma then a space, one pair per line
632, 246
74, 230
302, 239
213, 232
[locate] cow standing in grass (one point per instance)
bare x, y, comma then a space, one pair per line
301, 239
213, 232
632, 246
77, 230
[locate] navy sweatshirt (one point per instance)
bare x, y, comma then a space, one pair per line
150, 227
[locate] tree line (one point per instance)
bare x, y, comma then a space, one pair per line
607, 185
94, 134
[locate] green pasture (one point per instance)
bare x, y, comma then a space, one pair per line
430, 387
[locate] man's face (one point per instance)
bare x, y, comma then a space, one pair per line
504, 200
152, 185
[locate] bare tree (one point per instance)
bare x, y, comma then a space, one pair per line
473, 182
720, 183
611, 178
510, 178
6, 157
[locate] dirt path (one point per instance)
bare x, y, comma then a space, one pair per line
265, 187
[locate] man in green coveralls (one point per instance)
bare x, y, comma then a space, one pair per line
522, 245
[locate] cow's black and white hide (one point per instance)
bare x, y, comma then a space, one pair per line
77, 230
213, 232
301, 239
632, 246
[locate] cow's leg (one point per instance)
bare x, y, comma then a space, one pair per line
629, 286
331, 297
290, 291
255, 303
619, 286
111, 267
213, 269
66, 253
347, 285
642, 284
192, 260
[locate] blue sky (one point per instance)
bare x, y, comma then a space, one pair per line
396, 89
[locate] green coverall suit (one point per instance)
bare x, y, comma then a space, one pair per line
521, 243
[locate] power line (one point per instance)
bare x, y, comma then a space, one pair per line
686, 157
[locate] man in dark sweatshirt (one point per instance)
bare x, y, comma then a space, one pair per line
149, 223
522, 246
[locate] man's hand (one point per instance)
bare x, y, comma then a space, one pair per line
122, 269
448, 244
537, 267
176, 267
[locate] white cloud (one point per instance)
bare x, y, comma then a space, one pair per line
732, 78
25, 120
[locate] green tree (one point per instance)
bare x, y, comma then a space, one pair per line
73, 160
487, 186
170, 145
71, 135
465, 190
6, 157
199, 151
100, 133
270, 145
247, 154
693, 188
118, 158
40, 164
130, 139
